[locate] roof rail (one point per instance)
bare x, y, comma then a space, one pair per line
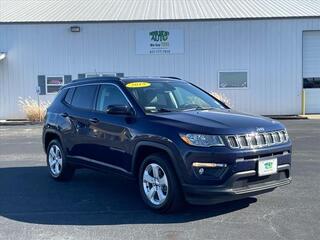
171, 77
96, 78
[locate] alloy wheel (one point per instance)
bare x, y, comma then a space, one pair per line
55, 160
155, 184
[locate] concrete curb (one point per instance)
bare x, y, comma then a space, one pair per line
287, 117
18, 123
312, 116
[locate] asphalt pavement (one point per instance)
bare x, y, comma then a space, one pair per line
97, 206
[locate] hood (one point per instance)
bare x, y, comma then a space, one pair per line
218, 122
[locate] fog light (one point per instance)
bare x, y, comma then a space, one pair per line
209, 170
208, 165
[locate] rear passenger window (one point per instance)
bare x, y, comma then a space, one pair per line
69, 95
84, 96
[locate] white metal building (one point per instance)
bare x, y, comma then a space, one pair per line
259, 53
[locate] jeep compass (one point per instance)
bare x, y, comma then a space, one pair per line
179, 142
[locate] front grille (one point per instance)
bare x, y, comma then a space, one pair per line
257, 140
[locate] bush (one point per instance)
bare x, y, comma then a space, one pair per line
34, 112
223, 98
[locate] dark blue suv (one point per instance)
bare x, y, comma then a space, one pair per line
178, 141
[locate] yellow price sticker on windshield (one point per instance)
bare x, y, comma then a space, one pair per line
138, 85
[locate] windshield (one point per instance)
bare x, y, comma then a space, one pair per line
171, 96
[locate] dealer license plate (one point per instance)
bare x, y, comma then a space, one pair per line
267, 167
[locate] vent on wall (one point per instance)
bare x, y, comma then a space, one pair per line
75, 29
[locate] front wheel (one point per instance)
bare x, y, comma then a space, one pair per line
58, 167
159, 186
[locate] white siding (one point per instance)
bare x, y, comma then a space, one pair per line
271, 51
312, 100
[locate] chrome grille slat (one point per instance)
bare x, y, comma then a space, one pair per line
254, 141
262, 139
257, 140
232, 140
276, 137
281, 136
270, 138
248, 141
243, 141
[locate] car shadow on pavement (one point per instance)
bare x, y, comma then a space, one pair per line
28, 194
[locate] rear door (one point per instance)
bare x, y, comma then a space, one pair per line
81, 114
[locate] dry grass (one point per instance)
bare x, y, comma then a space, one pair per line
223, 98
34, 112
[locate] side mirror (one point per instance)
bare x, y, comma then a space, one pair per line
119, 110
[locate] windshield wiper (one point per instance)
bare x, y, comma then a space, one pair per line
164, 110
198, 108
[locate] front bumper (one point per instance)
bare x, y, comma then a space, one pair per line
239, 185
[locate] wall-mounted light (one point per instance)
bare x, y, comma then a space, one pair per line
2, 55
75, 29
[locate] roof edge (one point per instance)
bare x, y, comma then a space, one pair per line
163, 20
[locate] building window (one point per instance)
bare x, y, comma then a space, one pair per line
233, 79
311, 82
54, 83
100, 74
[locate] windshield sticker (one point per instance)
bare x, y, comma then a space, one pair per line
138, 85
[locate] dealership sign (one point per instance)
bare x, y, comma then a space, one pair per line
161, 41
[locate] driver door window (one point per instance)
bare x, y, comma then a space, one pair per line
110, 95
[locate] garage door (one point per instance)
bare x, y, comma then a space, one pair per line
311, 70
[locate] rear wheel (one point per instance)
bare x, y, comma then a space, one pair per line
58, 167
159, 186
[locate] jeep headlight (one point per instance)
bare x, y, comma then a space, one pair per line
202, 140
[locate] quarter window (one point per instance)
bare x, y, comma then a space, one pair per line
84, 96
110, 95
69, 95
233, 79
53, 83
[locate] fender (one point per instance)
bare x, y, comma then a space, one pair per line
170, 150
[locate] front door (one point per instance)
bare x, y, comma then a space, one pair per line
112, 132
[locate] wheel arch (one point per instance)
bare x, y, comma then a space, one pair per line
146, 148
49, 136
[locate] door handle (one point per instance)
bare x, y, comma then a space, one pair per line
64, 114
93, 120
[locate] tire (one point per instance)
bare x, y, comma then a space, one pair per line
57, 164
164, 191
